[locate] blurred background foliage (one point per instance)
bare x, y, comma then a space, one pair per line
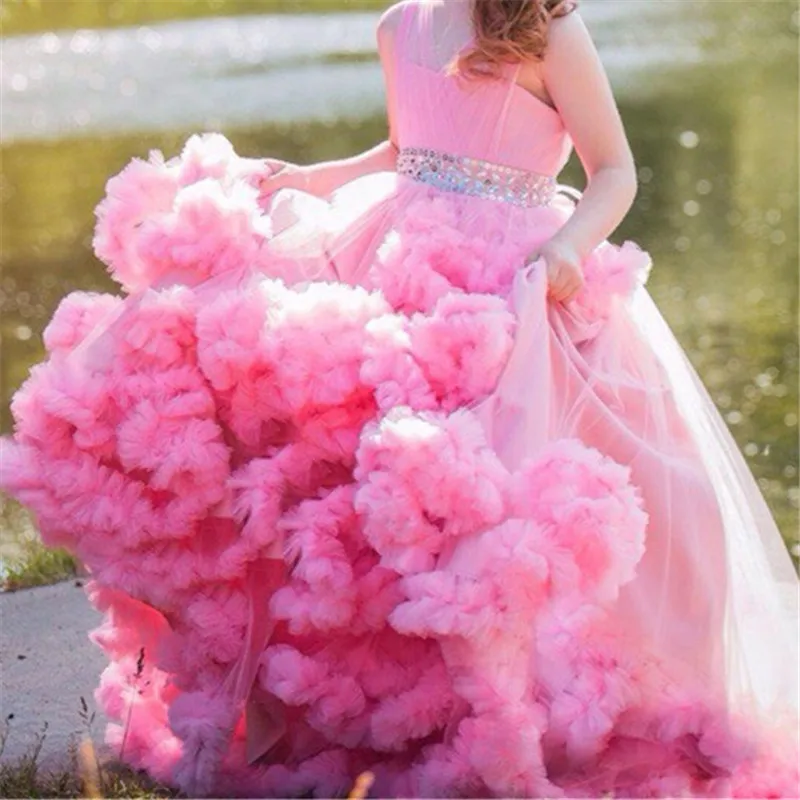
31, 16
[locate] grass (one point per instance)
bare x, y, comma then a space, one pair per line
81, 776
24, 560
37, 565
84, 776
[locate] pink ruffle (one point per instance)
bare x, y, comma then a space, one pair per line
442, 619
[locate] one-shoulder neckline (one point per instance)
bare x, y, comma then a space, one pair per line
407, 6
514, 85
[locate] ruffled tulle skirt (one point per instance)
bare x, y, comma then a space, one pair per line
355, 495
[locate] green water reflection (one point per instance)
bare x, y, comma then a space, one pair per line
31, 16
716, 145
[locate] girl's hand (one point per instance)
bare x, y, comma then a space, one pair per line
564, 270
279, 174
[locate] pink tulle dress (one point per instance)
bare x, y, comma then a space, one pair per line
355, 495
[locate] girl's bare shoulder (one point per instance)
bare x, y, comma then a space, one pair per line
390, 19
568, 34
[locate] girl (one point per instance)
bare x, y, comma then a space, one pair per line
408, 474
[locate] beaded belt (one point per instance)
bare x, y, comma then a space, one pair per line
475, 177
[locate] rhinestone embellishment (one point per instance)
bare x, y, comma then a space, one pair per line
474, 177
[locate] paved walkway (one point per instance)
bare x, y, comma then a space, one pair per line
48, 664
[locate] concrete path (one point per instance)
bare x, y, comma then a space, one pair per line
48, 664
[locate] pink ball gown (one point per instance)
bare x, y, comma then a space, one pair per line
355, 495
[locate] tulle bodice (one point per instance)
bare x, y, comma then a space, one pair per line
494, 120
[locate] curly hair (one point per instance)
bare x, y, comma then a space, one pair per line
507, 31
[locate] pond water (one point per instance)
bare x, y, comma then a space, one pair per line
709, 99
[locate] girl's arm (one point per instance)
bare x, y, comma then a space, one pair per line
578, 85
323, 178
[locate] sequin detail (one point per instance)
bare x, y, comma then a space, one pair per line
475, 177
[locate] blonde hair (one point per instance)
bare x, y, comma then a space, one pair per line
507, 31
